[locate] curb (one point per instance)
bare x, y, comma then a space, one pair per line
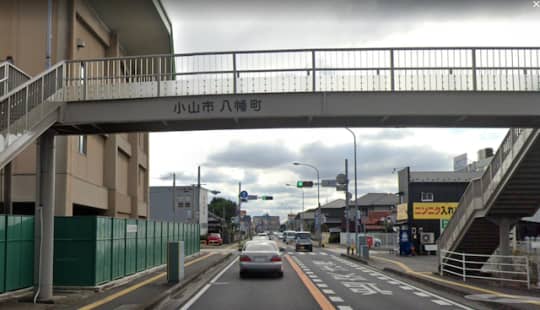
174, 289
356, 258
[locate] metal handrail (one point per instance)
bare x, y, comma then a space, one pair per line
461, 269
464, 213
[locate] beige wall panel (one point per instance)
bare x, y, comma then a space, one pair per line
122, 173
26, 161
94, 47
90, 166
24, 188
142, 209
123, 203
88, 194
92, 21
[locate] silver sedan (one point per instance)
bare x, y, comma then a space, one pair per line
261, 256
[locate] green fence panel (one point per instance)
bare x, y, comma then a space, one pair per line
103, 249
150, 230
171, 231
198, 247
141, 245
185, 238
164, 240
2, 253
131, 246
177, 231
19, 259
189, 240
157, 244
82, 250
118, 262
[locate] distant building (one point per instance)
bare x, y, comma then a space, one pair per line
461, 163
332, 215
184, 209
265, 223
377, 209
428, 199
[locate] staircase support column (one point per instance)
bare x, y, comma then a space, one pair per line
504, 224
47, 169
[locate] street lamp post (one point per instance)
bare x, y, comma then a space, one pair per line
318, 222
356, 196
301, 214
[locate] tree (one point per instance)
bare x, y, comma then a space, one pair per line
219, 206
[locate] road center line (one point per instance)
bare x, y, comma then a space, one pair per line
319, 297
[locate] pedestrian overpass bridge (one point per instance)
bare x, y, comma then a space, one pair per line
369, 87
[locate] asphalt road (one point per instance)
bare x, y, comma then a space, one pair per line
350, 285
346, 284
255, 293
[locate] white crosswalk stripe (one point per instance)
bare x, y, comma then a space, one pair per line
421, 294
329, 291
345, 308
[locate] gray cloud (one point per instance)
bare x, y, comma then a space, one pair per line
257, 156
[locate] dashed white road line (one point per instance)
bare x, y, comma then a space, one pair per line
335, 298
329, 291
441, 302
345, 308
421, 294
322, 285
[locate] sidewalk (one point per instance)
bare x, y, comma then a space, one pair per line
140, 292
423, 269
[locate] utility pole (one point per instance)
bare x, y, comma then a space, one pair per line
198, 198
347, 205
237, 215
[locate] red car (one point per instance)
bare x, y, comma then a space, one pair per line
215, 239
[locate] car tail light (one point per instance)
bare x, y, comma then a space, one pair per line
245, 258
276, 258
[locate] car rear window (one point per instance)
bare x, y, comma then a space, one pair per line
303, 235
215, 235
260, 247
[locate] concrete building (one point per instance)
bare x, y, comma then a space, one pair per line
461, 162
428, 199
183, 209
96, 174
377, 209
265, 222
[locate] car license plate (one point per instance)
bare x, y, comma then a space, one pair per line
260, 259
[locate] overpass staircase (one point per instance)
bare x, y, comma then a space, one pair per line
508, 189
28, 107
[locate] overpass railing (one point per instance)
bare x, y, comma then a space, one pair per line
307, 70
479, 193
10, 77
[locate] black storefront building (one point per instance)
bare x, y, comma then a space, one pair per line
427, 201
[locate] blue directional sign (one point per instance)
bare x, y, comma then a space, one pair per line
244, 194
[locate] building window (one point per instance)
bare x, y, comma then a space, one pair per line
426, 196
82, 142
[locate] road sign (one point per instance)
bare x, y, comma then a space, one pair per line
252, 197
244, 194
304, 184
267, 197
328, 183
341, 187
341, 179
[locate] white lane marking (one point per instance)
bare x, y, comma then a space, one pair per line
345, 308
313, 276
421, 294
407, 286
322, 285
393, 282
329, 291
311, 253
316, 280
301, 253
190, 303
441, 302
335, 298
323, 253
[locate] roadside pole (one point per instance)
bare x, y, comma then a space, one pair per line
347, 206
237, 215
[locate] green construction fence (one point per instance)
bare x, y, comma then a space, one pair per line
16, 252
92, 250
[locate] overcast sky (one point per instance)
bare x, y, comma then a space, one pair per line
262, 159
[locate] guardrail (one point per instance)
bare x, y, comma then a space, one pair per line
10, 77
504, 268
478, 193
306, 70
25, 106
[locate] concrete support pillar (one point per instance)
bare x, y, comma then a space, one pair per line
47, 169
8, 178
504, 224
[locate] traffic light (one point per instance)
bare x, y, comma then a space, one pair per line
267, 197
304, 184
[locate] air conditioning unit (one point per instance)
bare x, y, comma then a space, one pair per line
427, 237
